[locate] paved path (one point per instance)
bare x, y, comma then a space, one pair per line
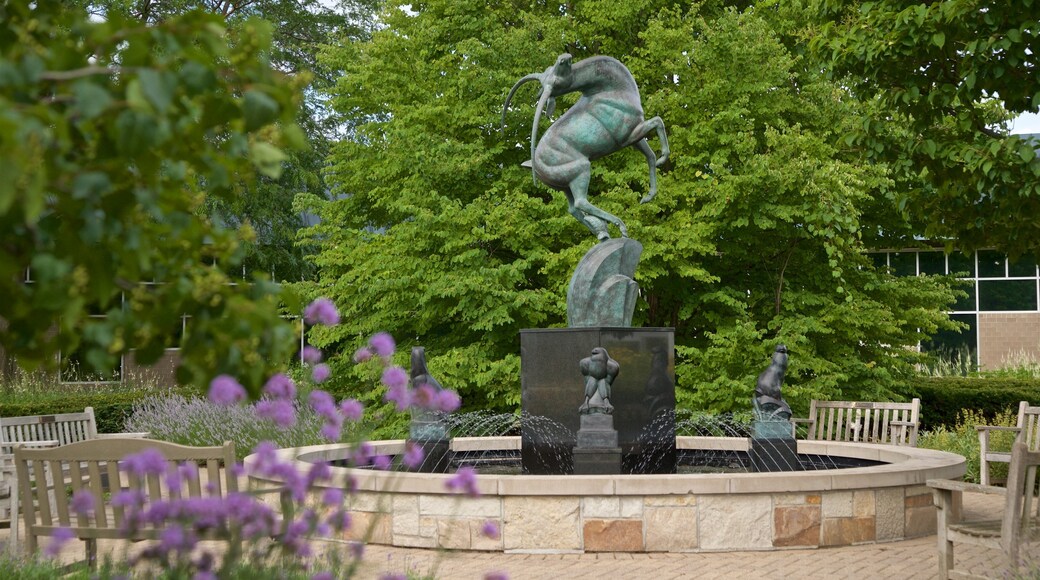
906, 559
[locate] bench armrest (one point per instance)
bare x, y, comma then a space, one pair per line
952, 485
136, 435
41, 443
902, 423
981, 428
798, 420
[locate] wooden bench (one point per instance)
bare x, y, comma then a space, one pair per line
95, 465
40, 431
1026, 430
1018, 526
866, 422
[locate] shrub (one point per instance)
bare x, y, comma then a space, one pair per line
198, 422
963, 439
942, 398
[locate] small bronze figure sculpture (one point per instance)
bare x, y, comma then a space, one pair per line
599, 371
608, 117
769, 403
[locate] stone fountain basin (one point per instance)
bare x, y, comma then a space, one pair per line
645, 513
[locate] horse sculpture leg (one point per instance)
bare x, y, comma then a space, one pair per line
580, 207
638, 138
644, 147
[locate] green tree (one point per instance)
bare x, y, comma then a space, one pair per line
300, 29
755, 238
943, 78
112, 134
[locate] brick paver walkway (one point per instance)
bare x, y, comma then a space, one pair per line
906, 559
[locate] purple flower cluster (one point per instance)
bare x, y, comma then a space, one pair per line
225, 390
321, 311
464, 481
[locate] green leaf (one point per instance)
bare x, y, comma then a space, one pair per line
267, 158
1026, 153
90, 99
259, 109
156, 88
939, 39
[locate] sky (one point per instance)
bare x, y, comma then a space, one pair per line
1027, 123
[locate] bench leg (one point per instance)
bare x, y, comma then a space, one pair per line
947, 512
91, 553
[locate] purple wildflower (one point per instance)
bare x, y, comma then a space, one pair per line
400, 396
490, 530
331, 432
320, 373
381, 462
148, 462
464, 481
413, 456
383, 344
59, 538
339, 520
174, 538
496, 575
281, 412
280, 386
447, 401
204, 575
362, 454
310, 355
323, 404
82, 502
394, 377
128, 498
423, 396
322, 576
225, 390
321, 311
351, 409
362, 355
332, 496
392, 576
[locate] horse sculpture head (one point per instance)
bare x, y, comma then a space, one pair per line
556, 80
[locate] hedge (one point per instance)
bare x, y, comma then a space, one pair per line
110, 409
943, 397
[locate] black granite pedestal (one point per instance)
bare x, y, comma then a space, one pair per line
643, 396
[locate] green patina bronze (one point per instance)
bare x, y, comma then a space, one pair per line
608, 117
602, 291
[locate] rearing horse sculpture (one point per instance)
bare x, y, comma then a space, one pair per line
608, 117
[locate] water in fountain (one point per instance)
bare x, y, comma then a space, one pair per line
736, 425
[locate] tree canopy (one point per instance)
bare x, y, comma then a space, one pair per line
943, 79
299, 30
112, 135
756, 236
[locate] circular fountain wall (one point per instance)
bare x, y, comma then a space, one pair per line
646, 513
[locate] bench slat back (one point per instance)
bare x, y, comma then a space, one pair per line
1022, 500
96, 467
64, 428
1029, 422
864, 421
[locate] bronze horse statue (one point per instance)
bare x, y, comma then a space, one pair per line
608, 117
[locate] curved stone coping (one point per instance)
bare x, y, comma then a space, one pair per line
903, 466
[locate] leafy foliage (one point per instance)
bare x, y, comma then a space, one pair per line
299, 29
111, 136
962, 438
756, 237
944, 77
